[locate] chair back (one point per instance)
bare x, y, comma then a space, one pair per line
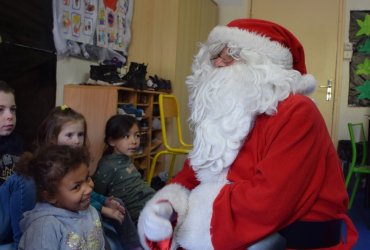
169, 109
358, 142
358, 166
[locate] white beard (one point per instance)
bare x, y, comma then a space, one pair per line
224, 103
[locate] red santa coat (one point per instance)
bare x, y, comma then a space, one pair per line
287, 170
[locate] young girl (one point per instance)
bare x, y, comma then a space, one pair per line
17, 193
62, 217
65, 126
115, 174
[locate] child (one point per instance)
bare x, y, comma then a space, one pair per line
115, 174
62, 217
11, 143
17, 193
65, 126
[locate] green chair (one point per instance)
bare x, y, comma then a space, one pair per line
358, 167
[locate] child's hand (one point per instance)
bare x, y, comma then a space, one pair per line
113, 213
114, 204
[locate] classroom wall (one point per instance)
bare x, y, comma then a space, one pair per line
232, 9
71, 70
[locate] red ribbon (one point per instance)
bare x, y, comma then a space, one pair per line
160, 245
163, 244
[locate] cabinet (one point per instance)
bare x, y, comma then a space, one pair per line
99, 103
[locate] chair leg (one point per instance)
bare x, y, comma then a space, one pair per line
349, 175
154, 162
354, 191
170, 170
152, 166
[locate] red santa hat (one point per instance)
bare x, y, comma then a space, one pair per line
268, 39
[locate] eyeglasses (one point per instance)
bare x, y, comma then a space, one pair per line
222, 59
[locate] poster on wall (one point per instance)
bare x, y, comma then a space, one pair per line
113, 24
78, 19
359, 36
95, 30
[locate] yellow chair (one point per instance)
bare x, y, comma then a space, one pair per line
168, 109
357, 166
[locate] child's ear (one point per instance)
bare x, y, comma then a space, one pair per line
111, 142
46, 196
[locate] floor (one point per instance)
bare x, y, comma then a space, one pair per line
361, 218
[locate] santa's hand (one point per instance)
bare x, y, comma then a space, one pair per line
155, 221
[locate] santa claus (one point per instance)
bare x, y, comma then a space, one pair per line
262, 162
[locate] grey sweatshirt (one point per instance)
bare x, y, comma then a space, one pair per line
48, 227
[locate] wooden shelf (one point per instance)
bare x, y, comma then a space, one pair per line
99, 103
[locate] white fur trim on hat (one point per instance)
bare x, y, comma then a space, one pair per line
252, 41
306, 85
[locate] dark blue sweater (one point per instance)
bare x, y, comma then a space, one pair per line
11, 147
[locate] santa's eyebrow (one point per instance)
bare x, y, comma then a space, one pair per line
215, 49
234, 52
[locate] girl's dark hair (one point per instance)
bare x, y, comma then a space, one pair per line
51, 126
6, 88
117, 127
50, 164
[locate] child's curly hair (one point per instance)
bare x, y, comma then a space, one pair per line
50, 164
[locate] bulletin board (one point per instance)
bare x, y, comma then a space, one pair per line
92, 29
359, 36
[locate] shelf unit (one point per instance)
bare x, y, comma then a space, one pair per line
98, 103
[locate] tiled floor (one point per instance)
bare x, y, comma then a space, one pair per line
361, 218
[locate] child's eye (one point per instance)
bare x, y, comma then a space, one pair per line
13, 109
81, 134
125, 136
137, 136
76, 187
69, 135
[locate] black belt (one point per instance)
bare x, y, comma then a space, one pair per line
303, 235
312, 234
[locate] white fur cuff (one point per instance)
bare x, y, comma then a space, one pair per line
155, 222
177, 195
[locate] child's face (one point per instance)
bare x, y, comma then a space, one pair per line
7, 113
72, 134
74, 190
128, 144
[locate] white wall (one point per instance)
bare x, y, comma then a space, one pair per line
350, 114
232, 9
70, 70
